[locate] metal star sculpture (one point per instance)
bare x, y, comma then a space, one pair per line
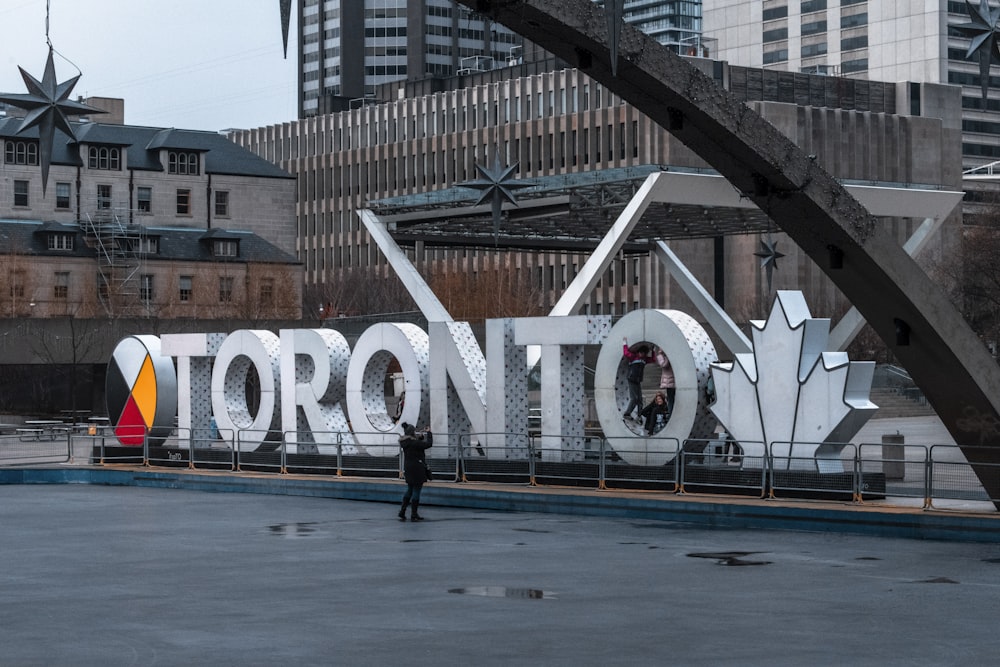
48, 108
614, 12
769, 257
984, 33
497, 184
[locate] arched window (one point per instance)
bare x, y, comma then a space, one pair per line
185, 164
21, 152
104, 157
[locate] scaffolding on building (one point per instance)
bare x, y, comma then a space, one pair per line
120, 247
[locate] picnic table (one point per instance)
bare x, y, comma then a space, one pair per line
42, 429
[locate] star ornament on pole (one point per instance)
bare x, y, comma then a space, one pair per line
48, 108
614, 11
497, 184
285, 9
983, 30
769, 257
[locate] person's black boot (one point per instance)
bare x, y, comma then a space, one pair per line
402, 510
414, 516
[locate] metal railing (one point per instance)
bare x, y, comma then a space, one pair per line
932, 477
36, 446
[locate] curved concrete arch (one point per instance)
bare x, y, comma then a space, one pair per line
900, 301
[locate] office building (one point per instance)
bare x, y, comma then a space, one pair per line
880, 41
674, 23
399, 39
566, 132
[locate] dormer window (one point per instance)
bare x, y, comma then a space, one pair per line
21, 152
225, 247
60, 241
147, 245
108, 158
183, 163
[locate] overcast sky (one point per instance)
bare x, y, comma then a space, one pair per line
191, 64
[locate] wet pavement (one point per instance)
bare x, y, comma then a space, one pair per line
103, 575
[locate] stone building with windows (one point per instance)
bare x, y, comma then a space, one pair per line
144, 222
585, 152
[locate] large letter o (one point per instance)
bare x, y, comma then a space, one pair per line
241, 350
690, 350
373, 428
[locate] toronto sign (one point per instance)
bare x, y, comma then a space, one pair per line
318, 395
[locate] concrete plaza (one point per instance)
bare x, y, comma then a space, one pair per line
103, 575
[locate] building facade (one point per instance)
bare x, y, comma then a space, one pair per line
881, 41
399, 39
429, 137
674, 23
144, 222
404, 39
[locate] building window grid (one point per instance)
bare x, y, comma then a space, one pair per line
21, 193
105, 158
267, 291
146, 287
144, 199
225, 248
222, 203
103, 197
225, 289
60, 287
185, 288
17, 283
182, 163
62, 195
60, 242
21, 152
183, 201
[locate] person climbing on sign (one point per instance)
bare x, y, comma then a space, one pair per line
637, 360
656, 414
667, 384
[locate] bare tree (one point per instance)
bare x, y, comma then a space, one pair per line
69, 341
495, 291
974, 284
357, 291
269, 292
15, 299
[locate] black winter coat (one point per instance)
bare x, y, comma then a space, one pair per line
414, 470
650, 413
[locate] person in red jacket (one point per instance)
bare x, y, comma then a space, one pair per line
637, 360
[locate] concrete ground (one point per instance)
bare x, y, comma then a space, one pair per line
105, 575
923, 431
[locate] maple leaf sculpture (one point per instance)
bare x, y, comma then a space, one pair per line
792, 392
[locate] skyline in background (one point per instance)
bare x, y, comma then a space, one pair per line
184, 64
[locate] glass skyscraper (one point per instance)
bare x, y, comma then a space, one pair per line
673, 23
